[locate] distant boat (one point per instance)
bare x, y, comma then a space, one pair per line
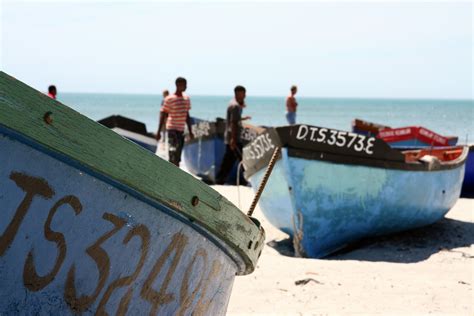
92, 224
204, 154
414, 137
410, 136
367, 128
133, 130
331, 188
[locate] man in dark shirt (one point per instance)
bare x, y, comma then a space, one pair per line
233, 131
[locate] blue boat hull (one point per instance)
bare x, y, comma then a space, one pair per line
203, 158
468, 183
324, 206
74, 242
467, 189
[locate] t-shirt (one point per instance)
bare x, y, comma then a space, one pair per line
177, 108
234, 114
291, 103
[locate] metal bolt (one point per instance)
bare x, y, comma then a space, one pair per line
48, 118
195, 201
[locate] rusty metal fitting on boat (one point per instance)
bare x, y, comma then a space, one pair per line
47, 118
195, 201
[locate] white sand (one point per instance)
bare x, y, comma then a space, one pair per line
425, 271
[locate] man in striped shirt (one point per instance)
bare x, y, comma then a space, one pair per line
175, 115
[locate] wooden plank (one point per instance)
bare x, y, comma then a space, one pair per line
100, 150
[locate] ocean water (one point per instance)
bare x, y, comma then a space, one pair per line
446, 117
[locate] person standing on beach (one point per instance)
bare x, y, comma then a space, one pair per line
166, 93
52, 92
175, 116
232, 136
291, 105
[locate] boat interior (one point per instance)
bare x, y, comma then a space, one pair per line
442, 154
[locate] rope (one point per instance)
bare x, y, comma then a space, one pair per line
276, 153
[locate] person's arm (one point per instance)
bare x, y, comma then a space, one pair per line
189, 123
163, 118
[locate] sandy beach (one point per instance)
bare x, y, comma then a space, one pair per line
424, 271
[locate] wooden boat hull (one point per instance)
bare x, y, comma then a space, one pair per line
417, 137
132, 130
146, 142
332, 205
92, 224
325, 205
74, 239
203, 158
204, 154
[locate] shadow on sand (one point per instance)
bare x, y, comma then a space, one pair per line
406, 247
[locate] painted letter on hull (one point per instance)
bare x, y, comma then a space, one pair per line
70, 243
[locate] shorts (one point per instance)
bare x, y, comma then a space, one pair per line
175, 146
291, 117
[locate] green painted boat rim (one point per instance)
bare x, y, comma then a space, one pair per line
63, 131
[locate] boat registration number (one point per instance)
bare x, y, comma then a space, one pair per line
336, 138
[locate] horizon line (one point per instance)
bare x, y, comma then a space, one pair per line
282, 96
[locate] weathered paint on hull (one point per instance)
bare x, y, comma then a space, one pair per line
467, 189
276, 201
71, 242
203, 158
336, 204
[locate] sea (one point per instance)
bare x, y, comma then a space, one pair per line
445, 117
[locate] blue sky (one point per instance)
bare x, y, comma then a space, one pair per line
343, 49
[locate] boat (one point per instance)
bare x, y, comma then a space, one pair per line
330, 188
403, 137
203, 155
367, 128
416, 137
93, 224
133, 130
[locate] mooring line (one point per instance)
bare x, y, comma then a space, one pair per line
276, 153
